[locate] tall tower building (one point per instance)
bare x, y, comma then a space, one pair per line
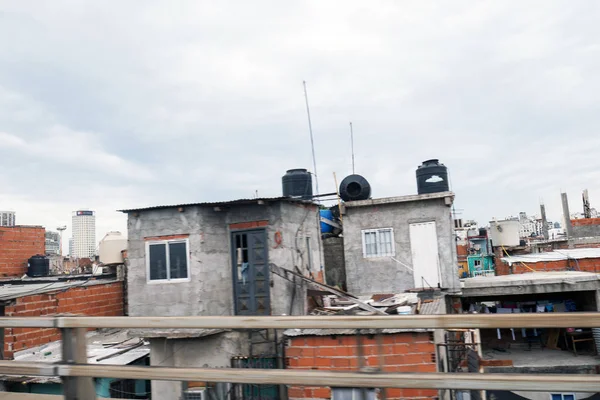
7, 218
84, 234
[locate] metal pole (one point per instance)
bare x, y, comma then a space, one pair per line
312, 142
68, 357
352, 143
74, 345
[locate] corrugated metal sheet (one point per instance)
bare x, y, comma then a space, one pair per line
13, 291
100, 345
221, 203
557, 255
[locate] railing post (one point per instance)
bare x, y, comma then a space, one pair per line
74, 351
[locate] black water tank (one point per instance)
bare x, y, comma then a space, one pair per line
432, 177
297, 183
355, 187
38, 266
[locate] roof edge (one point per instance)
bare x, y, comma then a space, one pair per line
399, 199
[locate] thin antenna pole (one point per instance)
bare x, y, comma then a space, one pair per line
352, 142
312, 142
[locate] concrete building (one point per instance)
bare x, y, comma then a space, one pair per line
213, 259
7, 218
535, 351
52, 243
399, 243
84, 234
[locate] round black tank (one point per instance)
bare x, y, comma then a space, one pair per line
297, 183
38, 266
355, 187
432, 177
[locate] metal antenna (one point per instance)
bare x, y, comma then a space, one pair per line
312, 142
352, 143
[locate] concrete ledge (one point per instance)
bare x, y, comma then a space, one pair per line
400, 199
530, 283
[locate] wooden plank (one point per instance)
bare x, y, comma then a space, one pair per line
470, 321
330, 289
28, 322
28, 396
461, 381
553, 336
524, 382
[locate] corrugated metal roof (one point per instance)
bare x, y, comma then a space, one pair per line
100, 344
221, 203
9, 291
556, 255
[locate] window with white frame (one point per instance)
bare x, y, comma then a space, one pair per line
562, 396
352, 394
167, 260
378, 243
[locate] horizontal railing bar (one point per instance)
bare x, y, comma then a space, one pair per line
532, 320
28, 322
461, 381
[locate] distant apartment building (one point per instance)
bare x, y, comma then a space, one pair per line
52, 243
84, 234
531, 226
7, 218
71, 247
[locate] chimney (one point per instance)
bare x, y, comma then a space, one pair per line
544, 221
567, 215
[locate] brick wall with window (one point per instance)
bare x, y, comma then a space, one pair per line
400, 352
97, 300
17, 244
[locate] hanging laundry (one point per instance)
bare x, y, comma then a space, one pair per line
245, 267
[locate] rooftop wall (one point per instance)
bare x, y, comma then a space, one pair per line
17, 244
97, 300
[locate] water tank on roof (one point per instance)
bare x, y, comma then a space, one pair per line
355, 187
297, 183
111, 247
38, 266
432, 177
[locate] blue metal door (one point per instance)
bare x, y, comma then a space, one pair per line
251, 272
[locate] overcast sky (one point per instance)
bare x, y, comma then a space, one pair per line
109, 105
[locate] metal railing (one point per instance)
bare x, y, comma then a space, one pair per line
77, 374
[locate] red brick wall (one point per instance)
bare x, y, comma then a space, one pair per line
400, 352
97, 300
585, 221
17, 244
585, 265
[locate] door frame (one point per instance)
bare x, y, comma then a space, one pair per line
233, 264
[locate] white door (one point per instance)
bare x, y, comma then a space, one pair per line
424, 251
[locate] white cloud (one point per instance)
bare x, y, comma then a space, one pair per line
109, 106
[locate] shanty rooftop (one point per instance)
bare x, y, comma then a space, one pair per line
530, 283
556, 255
14, 289
238, 202
113, 346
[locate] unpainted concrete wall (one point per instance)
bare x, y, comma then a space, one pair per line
335, 267
210, 289
383, 275
213, 351
585, 228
